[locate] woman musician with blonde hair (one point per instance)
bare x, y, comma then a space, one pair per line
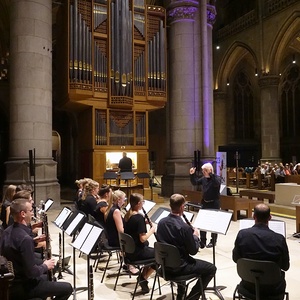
135, 225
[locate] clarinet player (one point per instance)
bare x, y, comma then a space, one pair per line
17, 246
173, 230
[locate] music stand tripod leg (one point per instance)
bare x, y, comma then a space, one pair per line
216, 289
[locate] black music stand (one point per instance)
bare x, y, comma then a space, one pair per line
61, 218
71, 226
215, 221
127, 176
85, 241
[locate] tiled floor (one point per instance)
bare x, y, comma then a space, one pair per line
226, 274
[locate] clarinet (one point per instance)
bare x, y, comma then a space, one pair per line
47, 253
59, 276
148, 220
91, 284
187, 221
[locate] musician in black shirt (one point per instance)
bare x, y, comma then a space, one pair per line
17, 246
173, 230
210, 183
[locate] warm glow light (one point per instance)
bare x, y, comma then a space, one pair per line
217, 47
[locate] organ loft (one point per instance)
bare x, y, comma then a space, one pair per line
111, 72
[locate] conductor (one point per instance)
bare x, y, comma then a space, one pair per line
211, 195
125, 163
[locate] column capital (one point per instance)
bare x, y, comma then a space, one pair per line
211, 14
268, 80
182, 10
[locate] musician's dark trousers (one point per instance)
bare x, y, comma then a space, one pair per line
40, 288
201, 267
209, 205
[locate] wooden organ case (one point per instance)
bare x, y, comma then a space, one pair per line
117, 74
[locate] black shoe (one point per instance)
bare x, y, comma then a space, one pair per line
143, 284
202, 245
210, 245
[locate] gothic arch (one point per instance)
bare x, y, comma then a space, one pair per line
231, 59
283, 41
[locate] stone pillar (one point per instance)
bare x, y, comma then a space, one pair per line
207, 19
31, 97
270, 137
183, 112
220, 118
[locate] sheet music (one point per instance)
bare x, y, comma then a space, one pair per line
48, 204
63, 215
189, 215
275, 225
74, 223
216, 221
91, 240
82, 236
164, 214
148, 205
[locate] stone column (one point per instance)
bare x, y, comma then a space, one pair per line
31, 97
183, 113
220, 118
270, 137
207, 19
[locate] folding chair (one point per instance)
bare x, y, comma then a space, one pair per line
260, 273
103, 247
128, 246
167, 257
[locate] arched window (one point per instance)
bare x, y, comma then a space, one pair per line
290, 103
243, 107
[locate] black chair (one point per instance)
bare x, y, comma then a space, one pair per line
143, 176
128, 246
167, 257
260, 273
104, 248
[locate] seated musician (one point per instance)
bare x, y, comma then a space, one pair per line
261, 243
90, 197
105, 194
173, 230
135, 226
114, 222
17, 246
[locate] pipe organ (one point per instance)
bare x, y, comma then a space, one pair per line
117, 51
117, 73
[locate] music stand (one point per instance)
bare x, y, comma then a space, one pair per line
70, 226
61, 218
215, 221
275, 225
147, 206
163, 212
85, 241
127, 176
